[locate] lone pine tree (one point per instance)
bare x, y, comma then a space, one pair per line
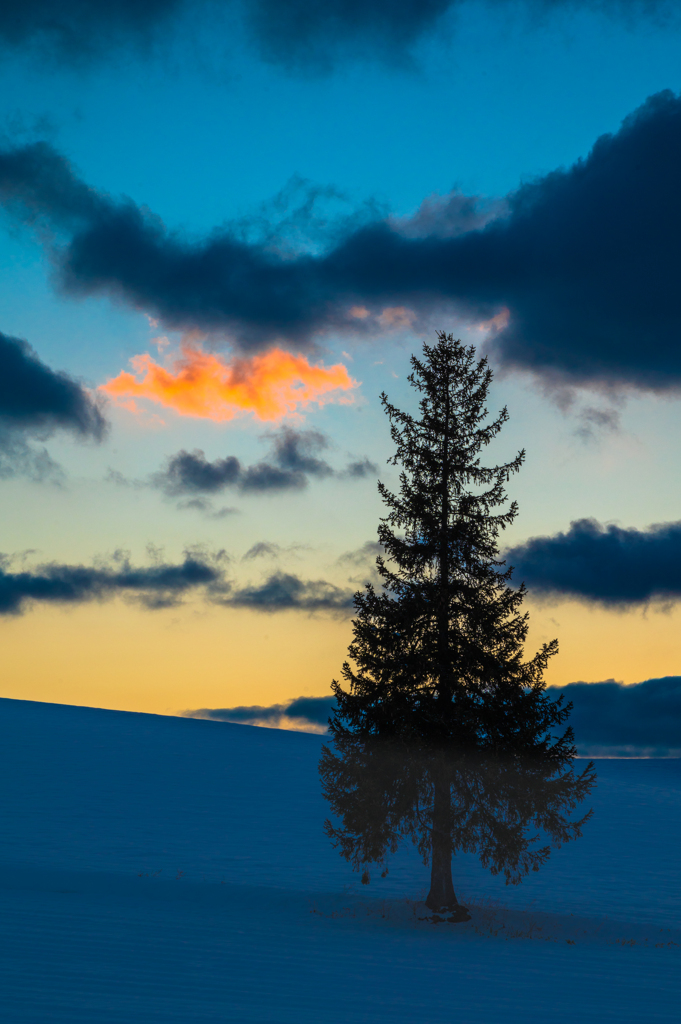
444, 734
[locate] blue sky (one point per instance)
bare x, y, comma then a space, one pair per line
200, 130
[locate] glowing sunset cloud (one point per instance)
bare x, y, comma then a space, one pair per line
496, 323
396, 316
196, 383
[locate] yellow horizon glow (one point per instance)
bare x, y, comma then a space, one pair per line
598, 644
118, 656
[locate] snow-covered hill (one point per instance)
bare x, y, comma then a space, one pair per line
175, 870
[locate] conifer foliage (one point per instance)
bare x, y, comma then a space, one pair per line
444, 734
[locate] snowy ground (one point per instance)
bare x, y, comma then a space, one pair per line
175, 870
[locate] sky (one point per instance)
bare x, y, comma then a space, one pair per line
226, 226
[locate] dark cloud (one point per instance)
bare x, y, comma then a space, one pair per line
38, 186
160, 585
189, 472
163, 585
314, 709
34, 397
286, 592
73, 29
597, 258
253, 289
264, 477
610, 565
305, 713
192, 473
293, 459
34, 402
297, 450
313, 34
610, 719
586, 261
359, 469
319, 32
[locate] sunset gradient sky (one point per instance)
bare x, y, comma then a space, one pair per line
224, 233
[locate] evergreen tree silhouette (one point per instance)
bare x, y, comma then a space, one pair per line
444, 734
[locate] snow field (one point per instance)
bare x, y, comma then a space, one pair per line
175, 870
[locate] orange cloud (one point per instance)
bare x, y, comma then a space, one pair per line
196, 383
396, 316
496, 323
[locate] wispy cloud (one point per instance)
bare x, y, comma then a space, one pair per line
292, 461
358, 469
159, 585
287, 592
206, 507
267, 549
304, 714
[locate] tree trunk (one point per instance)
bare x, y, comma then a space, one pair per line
442, 898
